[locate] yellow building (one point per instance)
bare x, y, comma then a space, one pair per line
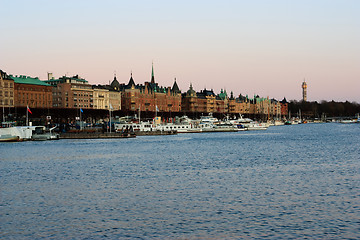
6, 90
101, 98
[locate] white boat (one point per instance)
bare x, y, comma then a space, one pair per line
148, 127
225, 127
133, 126
9, 138
256, 126
41, 134
24, 133
353, 120
180, 128
208, 119
247, 124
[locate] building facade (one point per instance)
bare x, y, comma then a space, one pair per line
189, 100
31, 92
101, 97
71, 92
284, 107
150, 96
6, 90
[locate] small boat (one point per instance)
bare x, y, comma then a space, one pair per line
41, 134
247, 124
9, 138
22, 132
256, 126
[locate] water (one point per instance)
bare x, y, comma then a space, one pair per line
287, 182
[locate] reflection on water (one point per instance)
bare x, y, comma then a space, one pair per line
287, 182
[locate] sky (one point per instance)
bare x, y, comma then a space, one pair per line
257, 47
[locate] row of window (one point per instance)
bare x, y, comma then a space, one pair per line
83, 105
33, 96
8, 85
6, 94
6, 102
39, 103
82, 95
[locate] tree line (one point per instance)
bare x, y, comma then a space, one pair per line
324, 108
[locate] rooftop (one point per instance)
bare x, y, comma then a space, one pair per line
28, 80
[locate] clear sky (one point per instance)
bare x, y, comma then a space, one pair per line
248, 47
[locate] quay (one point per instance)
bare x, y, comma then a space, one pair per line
153, 133
94, 135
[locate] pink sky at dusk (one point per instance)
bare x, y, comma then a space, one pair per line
248, 47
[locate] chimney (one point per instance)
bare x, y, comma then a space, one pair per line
50, 76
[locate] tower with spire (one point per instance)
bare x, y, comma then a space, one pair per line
152, 74
304, 91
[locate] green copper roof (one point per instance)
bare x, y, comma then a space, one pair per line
222, 95
64, 78
28, 80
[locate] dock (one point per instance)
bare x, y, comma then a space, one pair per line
154, 133
94, 135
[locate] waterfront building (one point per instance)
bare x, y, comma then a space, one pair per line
101, 97
206, 101
239, 105
259, 105
71, 92
275, 108
75, 92
304, 91
6, 90
150, 96
284, 107
31, 92
189, 100
232, 103
114, 95
222, 102
243, 105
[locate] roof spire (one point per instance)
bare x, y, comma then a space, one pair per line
175, 87
152, 73
131, 81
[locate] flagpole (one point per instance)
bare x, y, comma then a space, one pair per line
27, 115
139, 114
110, 119
3, 111
80, 121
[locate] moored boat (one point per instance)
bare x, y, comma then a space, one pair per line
9, 138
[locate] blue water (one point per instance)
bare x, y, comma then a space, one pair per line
288, 182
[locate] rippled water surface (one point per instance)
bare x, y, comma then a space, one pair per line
287, 182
